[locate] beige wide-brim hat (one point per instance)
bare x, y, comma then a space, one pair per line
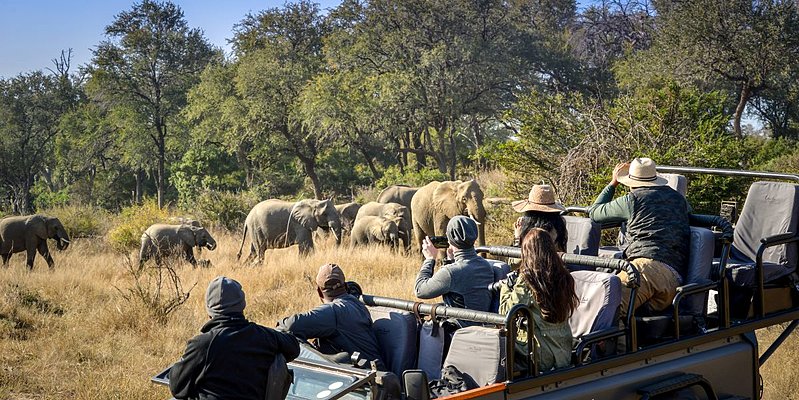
641, 172
541, 198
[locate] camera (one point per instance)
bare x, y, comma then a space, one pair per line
439, 242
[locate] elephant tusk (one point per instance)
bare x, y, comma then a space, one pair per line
475, 219
64, 241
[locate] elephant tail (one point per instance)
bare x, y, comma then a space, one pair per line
243, 239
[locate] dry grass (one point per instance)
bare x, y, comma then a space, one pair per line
68, 333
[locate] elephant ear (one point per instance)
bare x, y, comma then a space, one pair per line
38, 225
446, 199
303, 213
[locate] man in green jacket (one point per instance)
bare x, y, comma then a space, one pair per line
657, 229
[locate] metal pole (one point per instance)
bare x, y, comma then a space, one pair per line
784, 335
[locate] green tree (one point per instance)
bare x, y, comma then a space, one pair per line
149, 61
30, 107
743, 45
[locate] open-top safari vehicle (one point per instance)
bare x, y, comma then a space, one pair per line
703, 347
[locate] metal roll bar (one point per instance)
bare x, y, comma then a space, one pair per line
435, 310
727, 172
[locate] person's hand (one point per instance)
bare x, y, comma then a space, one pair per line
517, 228
451, 252
429, 251
617, 171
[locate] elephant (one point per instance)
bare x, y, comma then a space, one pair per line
347, 212
399, 194
164, 239
393, 211
370, 229
30, 233
276, 223
435, 203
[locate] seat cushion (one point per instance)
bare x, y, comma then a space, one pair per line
584, 235
600, 296
479, 353
770, 209
396, 333
700, 263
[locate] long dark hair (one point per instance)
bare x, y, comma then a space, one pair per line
544, 271
548, 221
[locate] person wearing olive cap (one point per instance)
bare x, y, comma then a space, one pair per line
464, 282
231, 357
341, 324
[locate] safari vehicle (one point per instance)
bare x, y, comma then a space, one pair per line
703, 347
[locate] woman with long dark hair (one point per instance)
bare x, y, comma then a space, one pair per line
547, 287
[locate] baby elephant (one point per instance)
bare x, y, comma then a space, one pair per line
371, 229
164, 240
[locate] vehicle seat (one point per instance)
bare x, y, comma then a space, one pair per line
675, 181
479, 354
501, 270
769, 209
693, 308
600, 296
396, 333
584, 235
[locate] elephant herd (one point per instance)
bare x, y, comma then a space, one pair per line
401, 214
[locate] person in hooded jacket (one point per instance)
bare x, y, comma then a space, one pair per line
230, 359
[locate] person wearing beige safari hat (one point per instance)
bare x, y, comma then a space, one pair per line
541, 210
657, 229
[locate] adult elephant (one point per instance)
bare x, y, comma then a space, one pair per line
370, 229
400, 194
277, 223
396, 212
30, 233
347, 212
435, 203
161, 240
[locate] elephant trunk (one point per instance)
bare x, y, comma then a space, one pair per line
478, 216
394, 238
61, 243
211, 244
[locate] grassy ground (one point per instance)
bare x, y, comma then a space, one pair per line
70, 333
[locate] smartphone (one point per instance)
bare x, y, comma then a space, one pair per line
439, 242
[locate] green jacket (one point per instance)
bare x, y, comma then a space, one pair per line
553, 341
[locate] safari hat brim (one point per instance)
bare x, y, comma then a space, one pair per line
527, 205
626, 179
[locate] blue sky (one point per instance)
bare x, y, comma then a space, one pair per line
33, 32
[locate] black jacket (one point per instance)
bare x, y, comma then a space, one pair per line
341, 325
229, 360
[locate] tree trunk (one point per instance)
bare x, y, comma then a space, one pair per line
310, 169
161, 164
746, 93
479, 139
453, 156
137, 193
369, 162
421, 159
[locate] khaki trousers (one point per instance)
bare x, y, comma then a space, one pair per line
658, 285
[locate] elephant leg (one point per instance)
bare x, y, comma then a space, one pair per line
252, 253
6, 257
305, 242
31, 252
189, 254
45, 252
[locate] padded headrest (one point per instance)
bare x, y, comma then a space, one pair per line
677, 182
700, 262
600, 296
479, 353
584, 235
770, 209
396, 335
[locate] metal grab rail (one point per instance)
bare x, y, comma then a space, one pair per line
435, 310
727, 172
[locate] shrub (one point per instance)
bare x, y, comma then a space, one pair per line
133, 221
81, 220
223, 209
410, 177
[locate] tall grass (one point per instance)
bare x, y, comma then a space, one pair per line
68, 333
